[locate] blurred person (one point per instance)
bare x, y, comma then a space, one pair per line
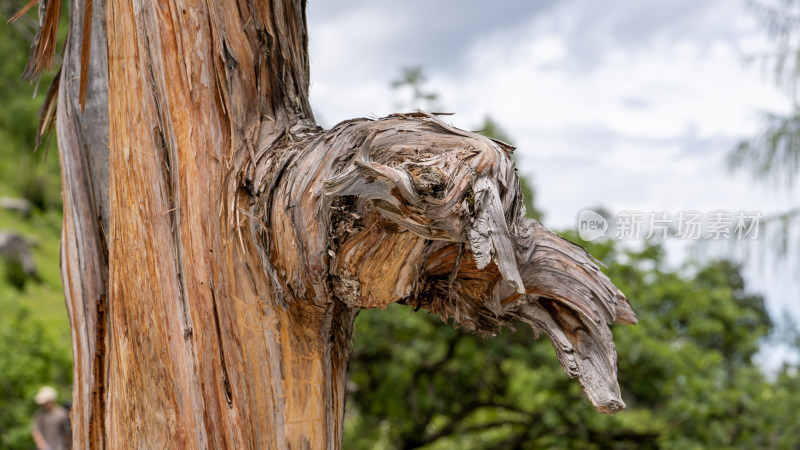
51, 428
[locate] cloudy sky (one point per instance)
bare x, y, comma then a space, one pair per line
628, 104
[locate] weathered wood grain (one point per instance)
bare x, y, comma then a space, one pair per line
83, 153
445, 225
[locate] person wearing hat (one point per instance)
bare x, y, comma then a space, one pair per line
51, 428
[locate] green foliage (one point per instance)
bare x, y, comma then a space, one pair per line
34, 332
686, 370
780, 20
773, 154
35, 344
23, 173
15, 273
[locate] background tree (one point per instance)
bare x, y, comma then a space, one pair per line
690, 380
773, 154
410, 85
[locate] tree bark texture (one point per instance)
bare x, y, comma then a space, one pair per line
217, 244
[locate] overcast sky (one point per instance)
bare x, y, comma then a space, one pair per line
628, 104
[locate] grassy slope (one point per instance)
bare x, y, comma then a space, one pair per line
34, 333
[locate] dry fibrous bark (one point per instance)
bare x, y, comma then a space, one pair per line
218, 244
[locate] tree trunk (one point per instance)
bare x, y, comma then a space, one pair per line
215, 257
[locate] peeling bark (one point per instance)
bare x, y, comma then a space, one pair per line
83, 153
217, 243
466, 250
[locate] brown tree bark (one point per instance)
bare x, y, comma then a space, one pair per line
217, 243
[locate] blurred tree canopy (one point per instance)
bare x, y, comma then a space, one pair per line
686, 370
773, 154
410, 85
24, 173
